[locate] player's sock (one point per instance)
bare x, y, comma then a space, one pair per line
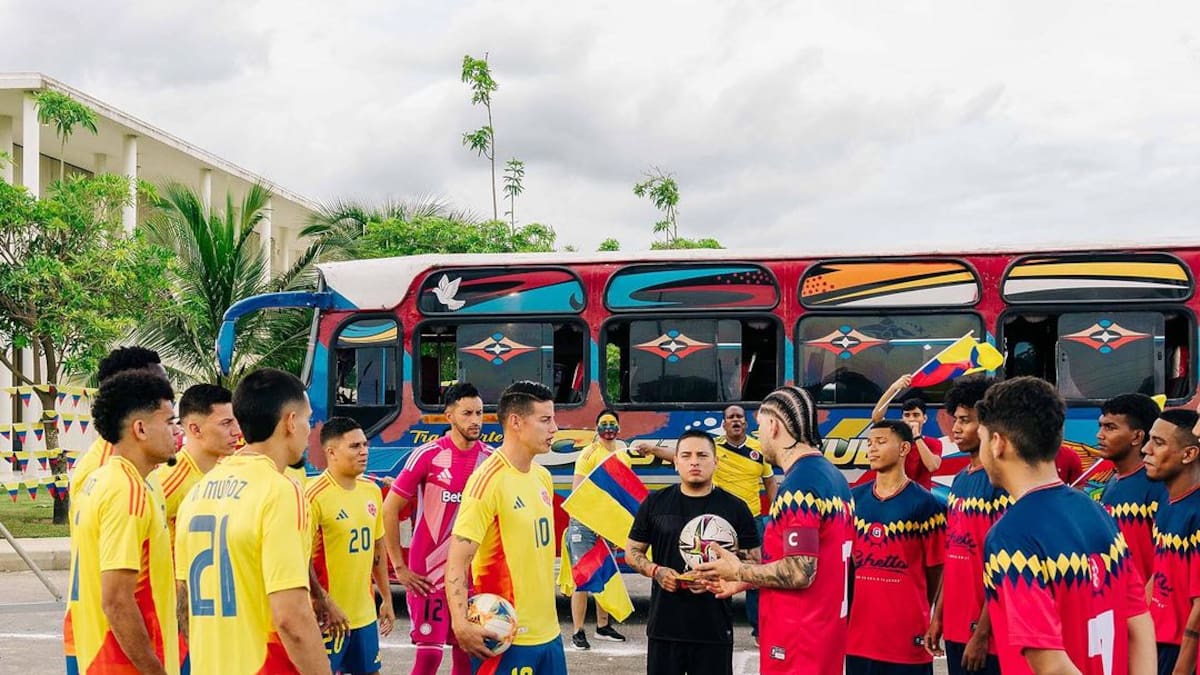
429, 657
461, 661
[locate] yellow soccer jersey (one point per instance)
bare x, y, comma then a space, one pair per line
241, 536
741, 470
595, 453
297, 475
347, 524
95, 457
175, 481
505, 510
120, 525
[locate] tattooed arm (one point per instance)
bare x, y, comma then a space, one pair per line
635, 557
794, 571
181, 607
458, 562
754, 555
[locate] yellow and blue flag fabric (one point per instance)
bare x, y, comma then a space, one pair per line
965, 355
607, 500
596, 572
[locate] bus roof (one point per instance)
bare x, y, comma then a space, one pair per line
382, 283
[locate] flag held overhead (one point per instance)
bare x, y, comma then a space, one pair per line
965, 355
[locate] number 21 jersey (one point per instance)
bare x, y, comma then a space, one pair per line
241, 534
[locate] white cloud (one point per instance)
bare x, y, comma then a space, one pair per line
784, 121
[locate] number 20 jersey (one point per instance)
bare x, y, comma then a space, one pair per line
242, 533
1060, 576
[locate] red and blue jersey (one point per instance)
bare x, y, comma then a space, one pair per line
1062, 583
974, 504
1133, 500
812, 515
896, 540
1176, 565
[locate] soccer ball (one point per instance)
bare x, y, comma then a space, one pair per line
702, 532
496, 615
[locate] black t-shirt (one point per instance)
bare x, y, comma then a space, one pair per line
685, 616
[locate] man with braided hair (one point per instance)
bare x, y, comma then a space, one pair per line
811, 527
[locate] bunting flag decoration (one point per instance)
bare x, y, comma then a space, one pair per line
13, 489
26, 398
44, 388
60, 398
49, 415
75, 399
32, 487
83, 424
22, 433
38, 432
52, 487
22, 463
71, 459
6, 432
64, 423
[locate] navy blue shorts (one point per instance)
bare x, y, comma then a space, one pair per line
954, 653
544, 659
858, 665
357, 653
1167, 656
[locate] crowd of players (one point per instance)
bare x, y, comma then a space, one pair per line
214, 559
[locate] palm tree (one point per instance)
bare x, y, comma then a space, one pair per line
339, 224
216, 264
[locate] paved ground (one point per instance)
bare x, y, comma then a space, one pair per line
31, 642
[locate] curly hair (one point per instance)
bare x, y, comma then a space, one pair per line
122, 359
1029, 412
967, 392
124, 395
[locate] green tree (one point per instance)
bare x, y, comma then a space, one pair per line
340, 225
514, 185
217, 263
680, 243
64, 114
438, 234
72, 283
610, 244
662, 190
478, 75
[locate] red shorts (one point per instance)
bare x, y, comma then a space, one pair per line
430, 618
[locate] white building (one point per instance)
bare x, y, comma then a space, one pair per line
135, 149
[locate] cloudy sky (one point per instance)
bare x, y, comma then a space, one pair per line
851, 123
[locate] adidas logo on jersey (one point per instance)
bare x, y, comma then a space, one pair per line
519, 504
445, 476
342, 515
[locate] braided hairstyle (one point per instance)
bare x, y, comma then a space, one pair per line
795, 408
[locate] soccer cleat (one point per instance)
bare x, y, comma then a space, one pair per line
609, 633
579, 640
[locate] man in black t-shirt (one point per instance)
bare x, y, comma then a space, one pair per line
690, 631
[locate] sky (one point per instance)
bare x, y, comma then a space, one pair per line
851, 124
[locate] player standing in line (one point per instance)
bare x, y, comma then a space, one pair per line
811, 529
121, 596
580, 539
1063, 593
435, 476
1130, 496
689, 632
505, 530
926, 455
974, 504
1173, 459
242, 544
206, 411
347, 517
899, 548
118, 360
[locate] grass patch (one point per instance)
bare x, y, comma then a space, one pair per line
30, 518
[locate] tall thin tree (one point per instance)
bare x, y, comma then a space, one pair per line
514, 185
64, 114
478, 75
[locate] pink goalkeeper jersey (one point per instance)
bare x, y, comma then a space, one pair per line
435, 474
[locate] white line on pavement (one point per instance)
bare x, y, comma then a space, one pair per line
31, 636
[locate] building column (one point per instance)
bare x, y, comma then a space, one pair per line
31, 147
6, 148
99, 163
285, 248
6, 380
206, 191
129, 168
265, 233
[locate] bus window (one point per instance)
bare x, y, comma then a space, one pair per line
1098, 355
706, 361
1102, 354
853, 359
366, 371
494, 355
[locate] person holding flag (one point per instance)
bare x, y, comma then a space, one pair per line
690, 630
580, 540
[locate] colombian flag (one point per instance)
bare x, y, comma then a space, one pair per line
596, 572
963, 356
607, 500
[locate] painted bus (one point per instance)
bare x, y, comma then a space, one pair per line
670, 338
